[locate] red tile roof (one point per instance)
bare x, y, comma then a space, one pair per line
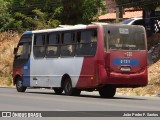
128, 14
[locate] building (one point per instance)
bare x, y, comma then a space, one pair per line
111, 12
128, 13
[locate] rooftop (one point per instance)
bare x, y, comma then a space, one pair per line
127, 15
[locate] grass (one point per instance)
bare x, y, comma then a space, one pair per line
153, 87
7, 44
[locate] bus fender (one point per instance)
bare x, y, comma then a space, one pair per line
102, 74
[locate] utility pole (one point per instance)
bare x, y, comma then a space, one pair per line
99, 8
119, 13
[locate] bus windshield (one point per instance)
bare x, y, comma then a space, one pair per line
125, 37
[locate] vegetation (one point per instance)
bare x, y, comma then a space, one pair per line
37, 14
153, 87
7, 43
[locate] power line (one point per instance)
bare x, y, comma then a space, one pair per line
139, 3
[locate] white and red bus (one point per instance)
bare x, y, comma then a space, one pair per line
72, 59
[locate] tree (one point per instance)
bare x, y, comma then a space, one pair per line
80, 11
4, 13
39, 14
35, 14
92, 8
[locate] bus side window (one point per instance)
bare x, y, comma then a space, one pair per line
53, 42
86, 42
68, 46
39, 46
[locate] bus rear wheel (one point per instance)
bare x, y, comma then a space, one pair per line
58, 91
19, 85
107, 91
69, 90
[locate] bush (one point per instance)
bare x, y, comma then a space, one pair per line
54, 23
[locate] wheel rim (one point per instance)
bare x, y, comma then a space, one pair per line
68, 87
19, 84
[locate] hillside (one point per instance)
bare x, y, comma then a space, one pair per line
9, 41
153, 87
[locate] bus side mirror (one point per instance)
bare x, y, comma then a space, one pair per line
15, 51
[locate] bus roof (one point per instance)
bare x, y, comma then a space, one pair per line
60, 28
73, 27
66, 27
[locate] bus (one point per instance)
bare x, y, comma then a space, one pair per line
70, 59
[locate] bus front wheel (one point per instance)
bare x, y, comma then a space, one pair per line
107, 91
19, 85
69, 90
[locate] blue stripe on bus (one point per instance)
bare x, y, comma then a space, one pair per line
26, 74
124, 61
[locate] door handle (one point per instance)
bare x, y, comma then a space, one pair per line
35, 78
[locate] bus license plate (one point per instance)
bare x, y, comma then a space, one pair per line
125, 69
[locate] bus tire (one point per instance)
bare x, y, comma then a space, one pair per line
69, 90
107, 91
58, 91
19, 85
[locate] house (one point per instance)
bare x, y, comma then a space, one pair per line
128, 13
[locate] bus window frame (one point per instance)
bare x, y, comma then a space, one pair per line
107, 38
44, 45
50, 45
72, 43
94, 42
